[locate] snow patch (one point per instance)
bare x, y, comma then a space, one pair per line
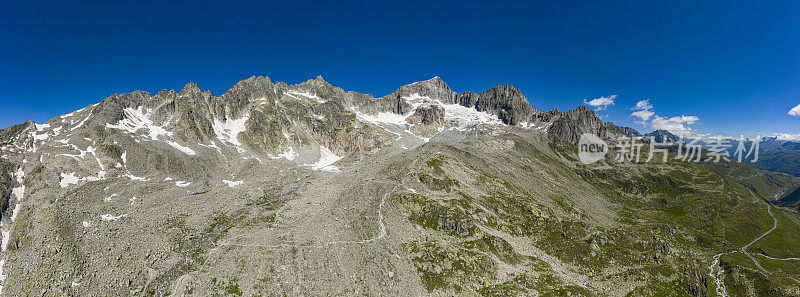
139, 118
212, 145
136, 119
20, 175
19, 192
82, 154
109, 197
459, 117
2, 274
133, 177
288, 155
40, 136
465, 118
384, 118
6, 238
110, 217
68, 179
15, 212
182, 184
81, 123
229, 130
326, 159
181, 148
86, 224
71, 179
41, 127
231, 183
294, 94
534, 126
416, 100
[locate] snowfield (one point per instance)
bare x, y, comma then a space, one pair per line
139, 118
326, 159
228, 131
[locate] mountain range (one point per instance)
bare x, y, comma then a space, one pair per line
271, 189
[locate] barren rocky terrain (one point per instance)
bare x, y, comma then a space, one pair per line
273, 189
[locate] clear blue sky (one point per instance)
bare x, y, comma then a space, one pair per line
734, 64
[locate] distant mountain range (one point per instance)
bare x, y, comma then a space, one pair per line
779, 156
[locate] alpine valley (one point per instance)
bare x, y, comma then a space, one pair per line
309, 190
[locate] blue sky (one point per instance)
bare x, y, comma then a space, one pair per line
735, 65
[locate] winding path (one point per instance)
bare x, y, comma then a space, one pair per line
774, 225
716, 274
380, 236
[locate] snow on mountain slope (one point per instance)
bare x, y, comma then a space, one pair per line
279, 189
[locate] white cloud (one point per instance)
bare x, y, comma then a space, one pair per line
643, 114
684, 119
795, 111
601, 103
643, 110
676, 125
789, 137
643, 105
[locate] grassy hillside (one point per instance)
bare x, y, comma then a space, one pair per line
500, 221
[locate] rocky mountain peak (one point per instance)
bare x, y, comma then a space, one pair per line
434, 88
191, 89
627, 131
662, 136
568, 126
254, 85
319, 81
271, 118
271, 187
507, 102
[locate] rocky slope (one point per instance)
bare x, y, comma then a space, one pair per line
308, 189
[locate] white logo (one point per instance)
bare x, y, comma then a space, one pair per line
591, 148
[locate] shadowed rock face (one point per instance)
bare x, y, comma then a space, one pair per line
568, 126
627, 131
428, 115
662, 136
427, 120
791, 200
468, 99
6, 183
277, 189
507, 102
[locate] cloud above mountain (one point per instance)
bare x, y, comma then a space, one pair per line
643, 110
788, 137
678, 125
601, 103
795, 111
